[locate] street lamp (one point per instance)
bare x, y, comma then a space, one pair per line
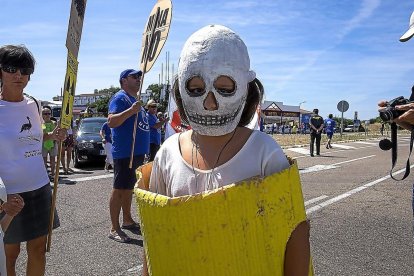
300, 127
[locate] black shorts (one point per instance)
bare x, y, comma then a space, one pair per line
33, 220
124, 177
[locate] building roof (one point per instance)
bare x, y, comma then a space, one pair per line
279, 106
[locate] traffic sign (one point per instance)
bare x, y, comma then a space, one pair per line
343, 106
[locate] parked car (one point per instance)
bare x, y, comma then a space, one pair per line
351, 128
88, 145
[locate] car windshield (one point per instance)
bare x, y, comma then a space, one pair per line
91, 127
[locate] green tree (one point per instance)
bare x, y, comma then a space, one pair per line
101, 105
156, 95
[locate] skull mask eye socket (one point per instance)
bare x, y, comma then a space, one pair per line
225, 86
195, 86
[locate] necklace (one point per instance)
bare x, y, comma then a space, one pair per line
196, 146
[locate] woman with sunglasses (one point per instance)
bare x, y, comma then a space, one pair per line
21, 164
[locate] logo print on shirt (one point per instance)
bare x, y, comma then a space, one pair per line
26, 130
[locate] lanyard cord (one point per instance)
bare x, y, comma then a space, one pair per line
394, 152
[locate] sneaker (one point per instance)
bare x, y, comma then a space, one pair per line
327, 146
312, 155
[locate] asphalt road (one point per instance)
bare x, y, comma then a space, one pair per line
361, 220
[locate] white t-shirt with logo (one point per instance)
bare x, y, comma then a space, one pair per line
173, 176
21, 137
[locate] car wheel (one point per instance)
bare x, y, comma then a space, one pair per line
76, 162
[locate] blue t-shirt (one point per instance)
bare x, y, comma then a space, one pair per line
122, 135
155, 133
330, 125
107, 132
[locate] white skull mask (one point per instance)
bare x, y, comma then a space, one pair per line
212, 54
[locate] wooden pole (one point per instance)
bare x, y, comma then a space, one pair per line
54, 196
140, 86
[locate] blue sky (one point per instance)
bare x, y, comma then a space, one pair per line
316, 51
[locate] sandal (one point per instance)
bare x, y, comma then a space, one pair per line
134, 228
119, 236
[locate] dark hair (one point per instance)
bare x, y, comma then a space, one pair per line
255, 93
316, 111
330, 116
16, 55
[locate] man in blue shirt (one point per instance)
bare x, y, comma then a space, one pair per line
123, 112
330, 125
155, 128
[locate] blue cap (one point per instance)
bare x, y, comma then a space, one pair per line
129, 72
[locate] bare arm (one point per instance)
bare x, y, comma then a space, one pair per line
12, 207
160, 123
406, 120
115, 120
297, 255
58, 134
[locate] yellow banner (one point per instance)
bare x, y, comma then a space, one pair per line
240, 229
69, 91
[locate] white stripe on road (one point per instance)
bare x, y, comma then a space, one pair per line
316, 199
367, 143
342, 146
349, 193
318, 168
300, 150
352, 160
80, 179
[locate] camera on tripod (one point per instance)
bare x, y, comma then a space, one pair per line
389, 112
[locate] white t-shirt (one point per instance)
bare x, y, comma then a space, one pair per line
21, 137
173, 176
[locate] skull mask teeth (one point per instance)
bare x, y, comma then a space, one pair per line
210, 53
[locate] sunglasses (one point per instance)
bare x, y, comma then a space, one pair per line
153, 106
12, 70
135, 76
46, 113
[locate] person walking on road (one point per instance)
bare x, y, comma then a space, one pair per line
330, 125
316, 126
124, 110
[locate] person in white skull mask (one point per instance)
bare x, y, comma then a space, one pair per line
217, 95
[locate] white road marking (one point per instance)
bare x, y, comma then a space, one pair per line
300, 150
317, 168
352, 160
349, 193
342, 146
80, 179
367, 143
316, 199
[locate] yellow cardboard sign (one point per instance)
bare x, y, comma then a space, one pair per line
77, 13
155, 33
240, 229
69, 91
